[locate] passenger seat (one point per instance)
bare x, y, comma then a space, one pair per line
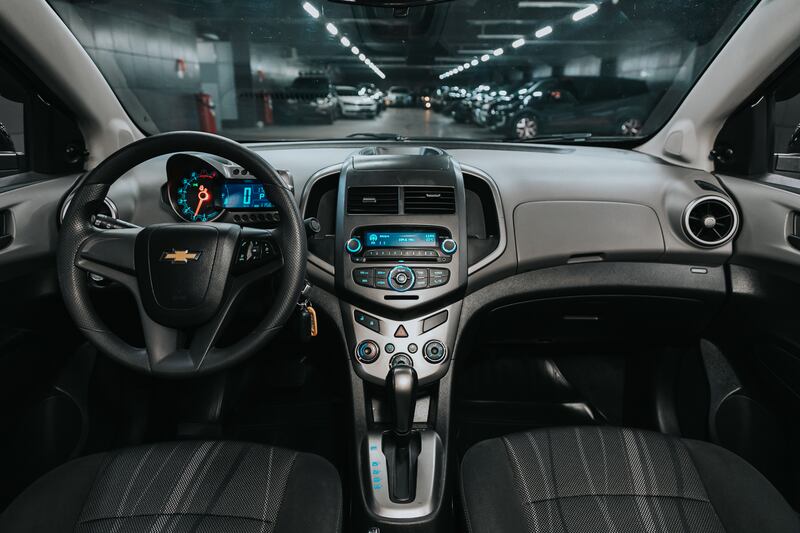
605, 479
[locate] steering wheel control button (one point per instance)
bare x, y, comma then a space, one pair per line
401, 359
389, 348
434, 321
251, 251
367, 352
401, 278
401, 332
369, 322
363, 277
434, 352
449, 246
353, 246
412, 348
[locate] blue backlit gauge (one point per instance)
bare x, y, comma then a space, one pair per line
196, 197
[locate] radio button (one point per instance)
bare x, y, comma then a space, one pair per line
363, 277
421, 273
421, 283
401, 278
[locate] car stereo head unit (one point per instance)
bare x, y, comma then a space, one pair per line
401, 243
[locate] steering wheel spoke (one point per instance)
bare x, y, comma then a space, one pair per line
110, 254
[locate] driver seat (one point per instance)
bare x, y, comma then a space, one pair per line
193, 486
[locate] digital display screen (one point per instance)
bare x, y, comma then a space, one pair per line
244, 194
400, 239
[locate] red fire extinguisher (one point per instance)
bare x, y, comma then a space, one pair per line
266, 99
205, 112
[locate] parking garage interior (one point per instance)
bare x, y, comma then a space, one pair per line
230, 67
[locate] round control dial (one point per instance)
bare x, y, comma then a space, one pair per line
449, 246
367, 352
434, 351
353, 246
401, 278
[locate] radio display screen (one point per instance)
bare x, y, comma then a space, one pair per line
244, 194
401, 239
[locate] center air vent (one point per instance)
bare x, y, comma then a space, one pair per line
711, 221
429, 200
372, 200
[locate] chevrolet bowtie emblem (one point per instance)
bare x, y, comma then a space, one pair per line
180, 256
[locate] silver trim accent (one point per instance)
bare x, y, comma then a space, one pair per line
429, 464
711, 244
501, 219
315, 177
112, 207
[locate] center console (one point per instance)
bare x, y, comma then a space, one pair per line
400, 274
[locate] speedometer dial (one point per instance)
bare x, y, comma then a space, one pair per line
196, 197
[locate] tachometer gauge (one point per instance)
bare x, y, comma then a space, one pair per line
195, 198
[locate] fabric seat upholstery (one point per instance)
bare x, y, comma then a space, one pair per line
603, 479
183, 487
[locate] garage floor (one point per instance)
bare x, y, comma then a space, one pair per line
406, 122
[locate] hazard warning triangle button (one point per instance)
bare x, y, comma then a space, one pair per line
401, 332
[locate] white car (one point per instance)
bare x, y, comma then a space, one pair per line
353, 104
399, 97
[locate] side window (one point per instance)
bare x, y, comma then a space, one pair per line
12, 124
785, 123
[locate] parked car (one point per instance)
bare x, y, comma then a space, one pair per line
399, 97
601, 105
355, 105
308, 98
371, 90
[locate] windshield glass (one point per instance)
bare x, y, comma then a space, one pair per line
467, 69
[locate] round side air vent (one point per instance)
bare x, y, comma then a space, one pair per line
710, 221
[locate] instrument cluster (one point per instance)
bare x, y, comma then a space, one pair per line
202, 189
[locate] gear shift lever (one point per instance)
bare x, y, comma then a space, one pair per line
401, 384
400, 447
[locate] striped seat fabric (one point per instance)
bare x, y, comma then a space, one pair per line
183, 487
605, 479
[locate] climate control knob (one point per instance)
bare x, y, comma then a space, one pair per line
434, 351
367, 352
449, 246
401, 278
353, 246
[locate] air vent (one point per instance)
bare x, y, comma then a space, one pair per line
429, 200
372, 200
710, 221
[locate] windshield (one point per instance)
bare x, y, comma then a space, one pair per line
466, 69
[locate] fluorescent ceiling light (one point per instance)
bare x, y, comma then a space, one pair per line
546, 4
485, 57
543, 32
466, 65
355, 50
460, 68
498, 52
499, 36
474, 62
518, 43
345, 41
362, 57
333, 30
311, 10
585, 12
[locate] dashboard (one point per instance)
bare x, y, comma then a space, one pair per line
414, 240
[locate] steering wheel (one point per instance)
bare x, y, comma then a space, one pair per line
185, 277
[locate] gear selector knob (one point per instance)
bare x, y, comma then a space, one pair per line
401, 385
